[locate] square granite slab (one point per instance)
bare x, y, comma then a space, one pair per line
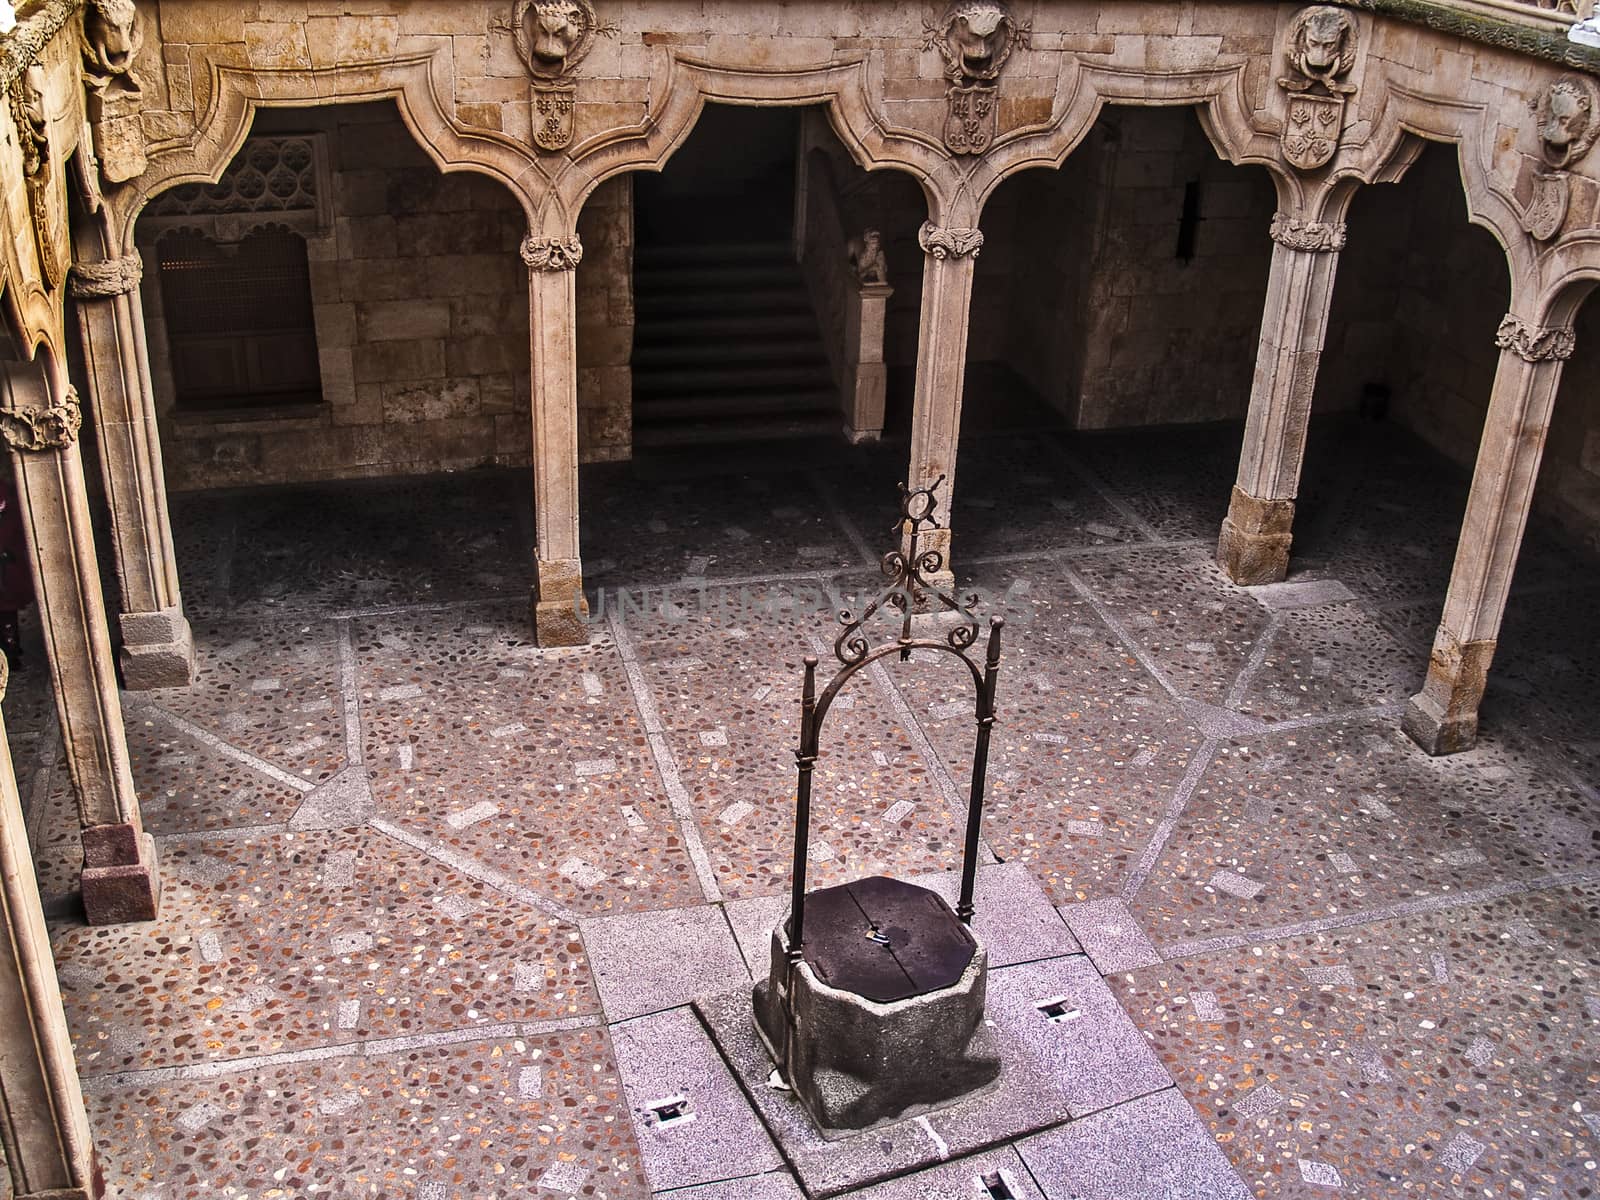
646, 962
1154, 1148
1088, 1058
693, 1122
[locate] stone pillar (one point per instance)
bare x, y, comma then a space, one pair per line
1254, 546
157, 648
40, 424
1443, 717
941, 370
559, 607
863, 348
43, 1127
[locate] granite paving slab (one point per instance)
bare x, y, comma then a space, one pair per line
649, 961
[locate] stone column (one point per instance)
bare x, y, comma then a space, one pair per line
1443, 717
157, 648
559, 607
40, 425
863, 349
1254, 546
43, 1127
941, 370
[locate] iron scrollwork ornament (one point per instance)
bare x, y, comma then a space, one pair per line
975, 39
1321, 49
552, 38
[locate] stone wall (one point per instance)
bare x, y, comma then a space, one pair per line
421, 308
1082, 291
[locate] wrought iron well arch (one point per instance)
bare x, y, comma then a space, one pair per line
908, 592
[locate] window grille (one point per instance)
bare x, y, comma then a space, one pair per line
239, 319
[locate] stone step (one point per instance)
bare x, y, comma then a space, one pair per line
683, 433
712, 377
717, 276
804, 349
707, 330
654, 410
723, 302
656, 256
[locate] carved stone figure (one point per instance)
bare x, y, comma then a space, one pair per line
866, 257
551, 253
1567, 118
1321, 49
552, 36
975, 39
112, 36
33, 125
949, 241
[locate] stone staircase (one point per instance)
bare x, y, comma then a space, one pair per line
726, 348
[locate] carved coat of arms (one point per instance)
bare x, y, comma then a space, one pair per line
1321, 49
1568, 117
975, 39
552, 38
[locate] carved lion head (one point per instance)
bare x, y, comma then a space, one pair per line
975, 39
1567, 119
555, 27
112, 35
1322, 44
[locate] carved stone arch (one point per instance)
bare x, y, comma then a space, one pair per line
1569, 271
1407, 120
1217, 96
843, 87
419, 85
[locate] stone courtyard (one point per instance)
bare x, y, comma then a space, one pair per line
432, 893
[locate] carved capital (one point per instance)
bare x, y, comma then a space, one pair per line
1317, 237
105, 279
1532, 344
949, 242
34, 429
551, 254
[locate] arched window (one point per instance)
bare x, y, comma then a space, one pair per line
239, 319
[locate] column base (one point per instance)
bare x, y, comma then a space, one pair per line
157, 650
120, 882
1256, 534
857, 437
1443, 717
560, 609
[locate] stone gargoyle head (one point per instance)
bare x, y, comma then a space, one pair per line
1321, 49
1568, 115
553, 36
112, 35
975, 39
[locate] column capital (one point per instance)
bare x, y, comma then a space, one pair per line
949, 241
1314, 237
107, 278
1532, 344
551, 253
52, 428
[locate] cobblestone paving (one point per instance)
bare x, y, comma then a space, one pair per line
383, 813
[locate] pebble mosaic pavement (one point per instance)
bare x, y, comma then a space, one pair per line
383, 813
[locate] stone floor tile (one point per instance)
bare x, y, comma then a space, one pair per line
972, 1178
693, 1123
646, 962
1084, 1041
774, 1185
389, 1124
1152, 1148
1110, 935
